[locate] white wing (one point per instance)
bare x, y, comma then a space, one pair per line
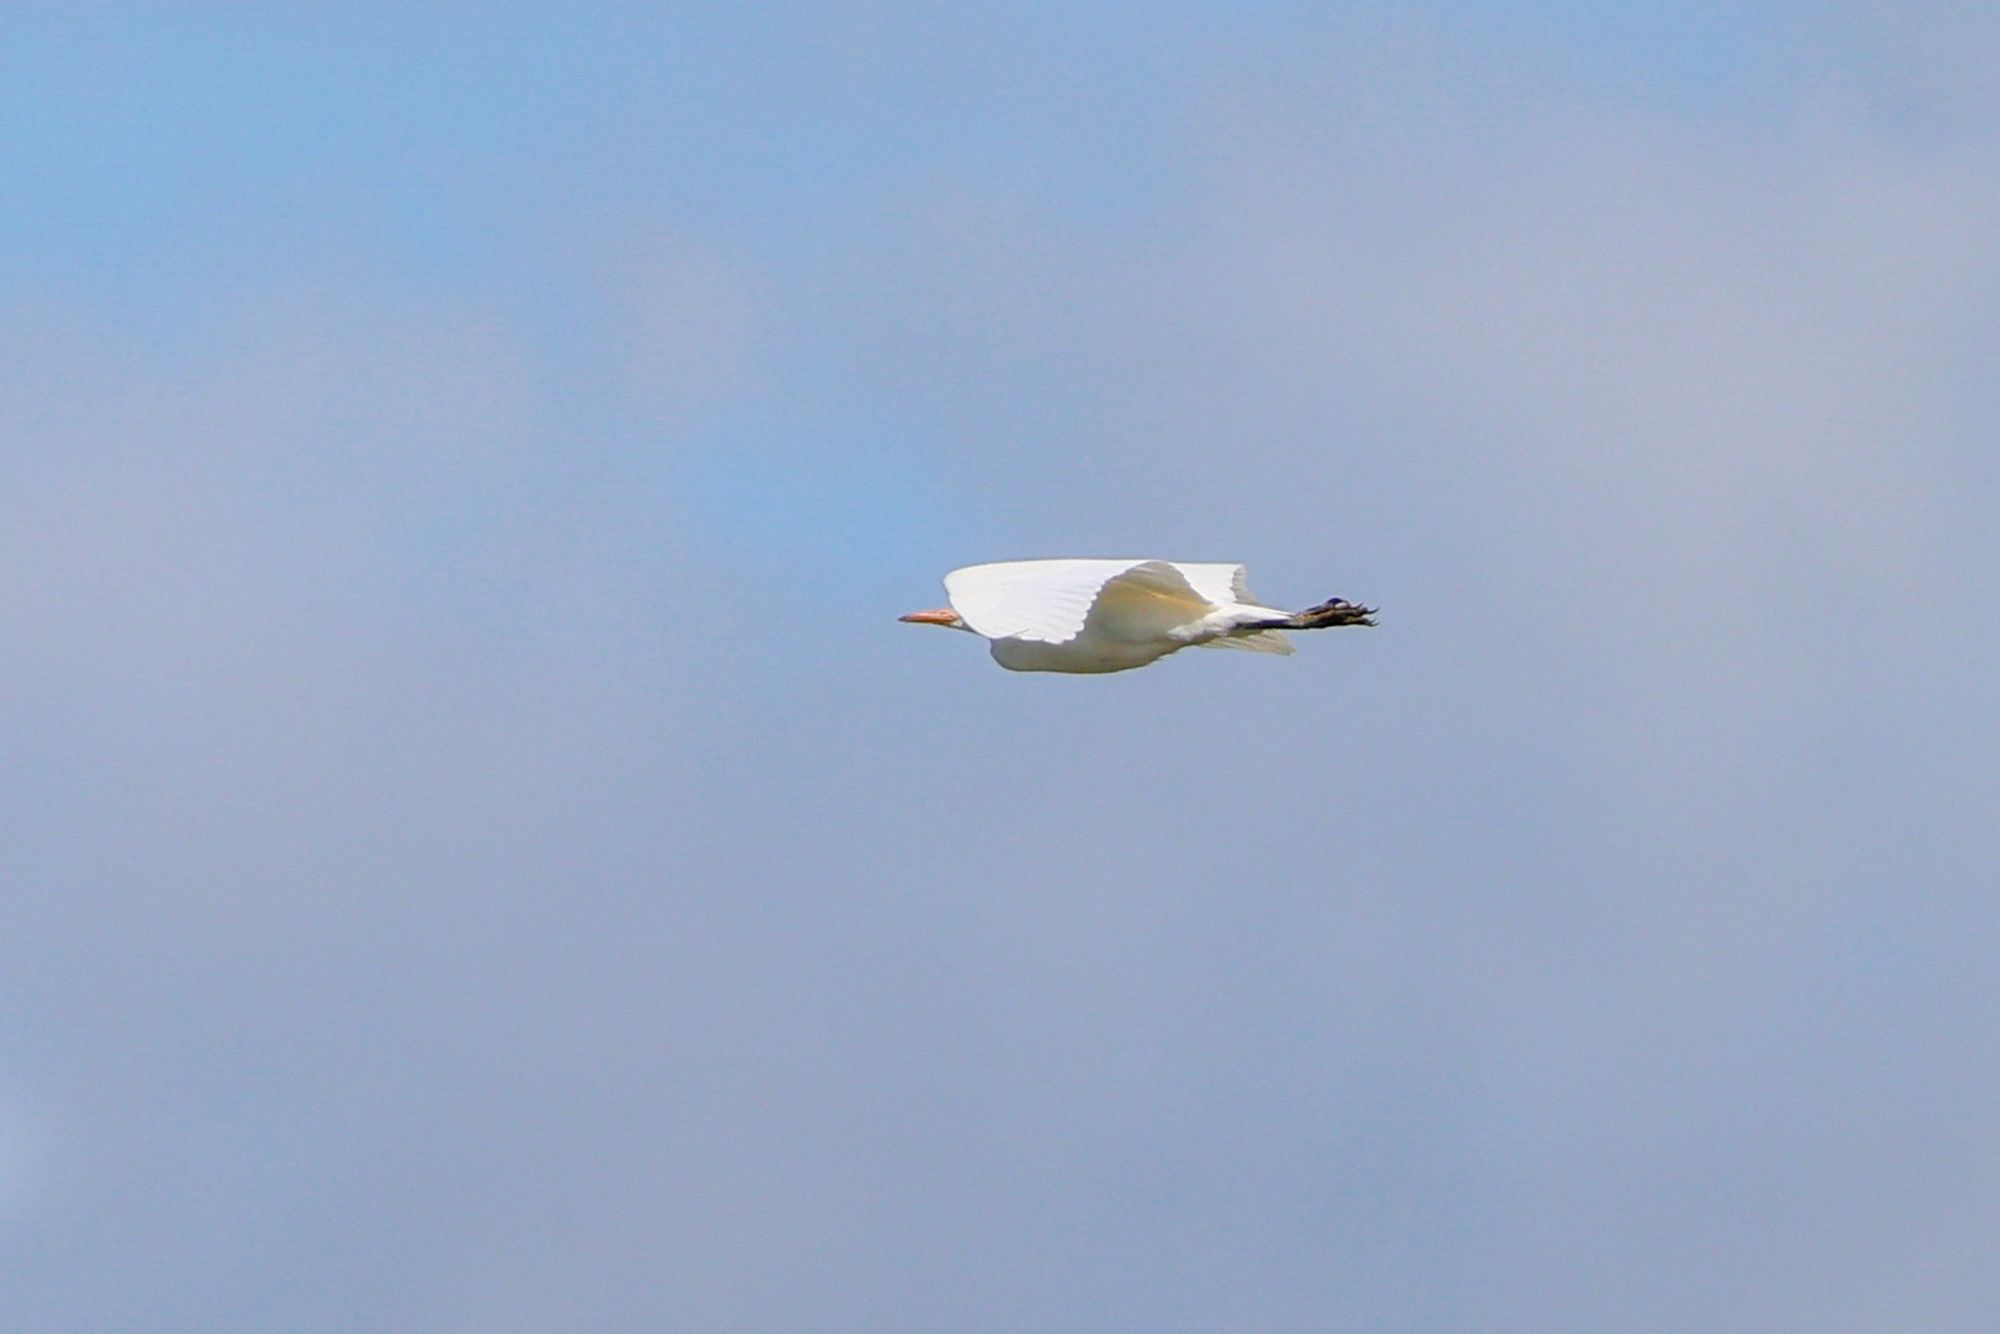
1045, 600
1225, 585
1147, 604
1051, 601
1220, 584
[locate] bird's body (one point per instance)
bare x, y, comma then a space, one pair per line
1114, 615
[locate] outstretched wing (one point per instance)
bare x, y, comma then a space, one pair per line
1052, 601
1043, 600
1225, 585
1146, 604
1219, 583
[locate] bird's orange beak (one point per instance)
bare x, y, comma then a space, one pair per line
942, 616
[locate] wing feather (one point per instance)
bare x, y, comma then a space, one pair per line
1053, 601
1224, 585
1220, 584
1146, 604
1043, 600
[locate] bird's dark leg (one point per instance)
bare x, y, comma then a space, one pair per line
1332, 612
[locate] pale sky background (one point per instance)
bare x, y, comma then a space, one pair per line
480, 854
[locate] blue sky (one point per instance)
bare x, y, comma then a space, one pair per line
480, 852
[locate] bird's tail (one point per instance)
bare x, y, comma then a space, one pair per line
1332, 612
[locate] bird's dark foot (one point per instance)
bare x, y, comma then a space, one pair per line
1332, 612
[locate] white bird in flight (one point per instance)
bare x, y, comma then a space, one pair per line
1113, 615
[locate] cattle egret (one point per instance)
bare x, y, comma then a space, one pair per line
1114, 615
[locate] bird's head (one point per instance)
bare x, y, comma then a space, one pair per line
944, 616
